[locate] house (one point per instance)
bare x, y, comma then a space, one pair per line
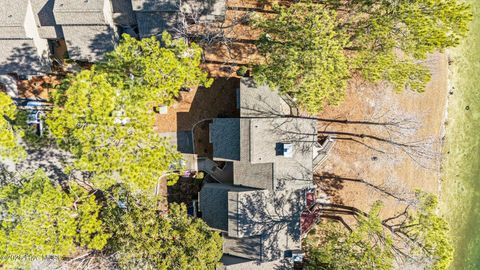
267, 157
156, 16
88, 28
22, 50
33, 31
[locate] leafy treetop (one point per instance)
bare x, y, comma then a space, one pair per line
428, 233
417, 236
303, 55
356, 249
313, 47
104, 116
9, 136
171, 241
40, 219
111, 136
152, 72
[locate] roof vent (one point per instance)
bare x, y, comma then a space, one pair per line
284, 149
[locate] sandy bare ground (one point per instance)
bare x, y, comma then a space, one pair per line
419, 119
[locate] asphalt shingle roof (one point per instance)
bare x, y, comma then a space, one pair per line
89, 42
155, 5
214, 204
263, 219
79, 5
225, 137
21, 57
12, 13
80, 12
154, 23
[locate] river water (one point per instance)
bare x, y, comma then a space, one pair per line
460, 201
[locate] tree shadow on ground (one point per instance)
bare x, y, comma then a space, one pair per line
331, 184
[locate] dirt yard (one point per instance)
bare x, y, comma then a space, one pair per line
199, 104
417, 120
222, 60
39, 87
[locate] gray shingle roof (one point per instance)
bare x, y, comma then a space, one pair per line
155, 5
253, 175
78, 12
274, 217
249, 248
267, 213
12, 13
260, 101
154, 23
214, 204
252, 145
79, 5
21, 57
225, 137
123, 12
12, 19
89, 42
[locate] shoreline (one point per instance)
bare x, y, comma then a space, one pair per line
460, 166
443, 128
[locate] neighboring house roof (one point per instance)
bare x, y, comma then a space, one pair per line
89, 42
21, 57
68, 12
12, 19
155, 5
154, 23
157, 16
123, 12
208, 10
19, 41
79, 5
13, 12
204, 7
45, 19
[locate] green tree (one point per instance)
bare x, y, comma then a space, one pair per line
417, 236
142, 238
390, 37
39, 219
360, 248
426, 233
416, 27
9, 136
155, 73
304, 55
112, 137
104, 115
311, 52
